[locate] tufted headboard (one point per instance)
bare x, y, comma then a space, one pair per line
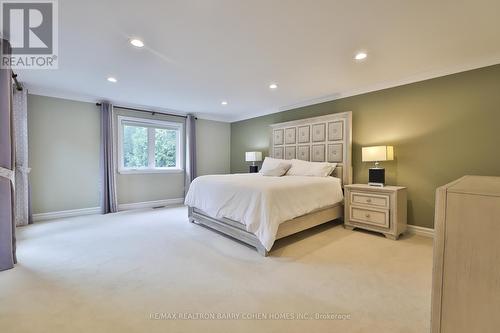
319, 139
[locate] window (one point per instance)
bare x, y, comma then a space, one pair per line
146, 145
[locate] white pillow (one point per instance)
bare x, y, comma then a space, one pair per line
314, 169
272, 163
278, 171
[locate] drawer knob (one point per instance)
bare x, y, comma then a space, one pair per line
367, 216
368, 200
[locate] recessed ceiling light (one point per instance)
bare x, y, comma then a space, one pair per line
112, 79
273, 86
137, 42
223, 102
360, 56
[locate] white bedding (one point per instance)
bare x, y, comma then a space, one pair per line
262, 203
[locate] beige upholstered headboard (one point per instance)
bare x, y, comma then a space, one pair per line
319, 139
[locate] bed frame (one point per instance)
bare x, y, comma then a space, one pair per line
318, 139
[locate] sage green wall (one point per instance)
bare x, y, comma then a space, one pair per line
441, 129
213, 143
64, 156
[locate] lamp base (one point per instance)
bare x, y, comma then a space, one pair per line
376, 177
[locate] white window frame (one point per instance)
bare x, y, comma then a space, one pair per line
151, 124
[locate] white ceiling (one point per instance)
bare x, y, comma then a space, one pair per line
200, 52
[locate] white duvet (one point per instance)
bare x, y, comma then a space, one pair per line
262, 203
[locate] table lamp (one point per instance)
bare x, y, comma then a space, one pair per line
253, 156
377, 154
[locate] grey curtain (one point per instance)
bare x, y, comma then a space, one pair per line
107, 166
190, 151
7, 176
20, 119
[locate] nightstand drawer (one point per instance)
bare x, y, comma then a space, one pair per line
379, 218
376, 200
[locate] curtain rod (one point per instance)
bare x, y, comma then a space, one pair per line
148, 111
16, 83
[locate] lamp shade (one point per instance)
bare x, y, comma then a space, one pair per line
253, 156
378, 153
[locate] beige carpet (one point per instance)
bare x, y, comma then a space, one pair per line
112, 273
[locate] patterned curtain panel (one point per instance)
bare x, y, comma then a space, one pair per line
7, 226
107, 165
20, 114
190, 151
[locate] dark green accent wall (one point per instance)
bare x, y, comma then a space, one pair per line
441, 129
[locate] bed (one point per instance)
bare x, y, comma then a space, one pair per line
258, 210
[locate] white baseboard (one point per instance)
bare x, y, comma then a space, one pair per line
66, 213
97, 210
150, 204
421, 231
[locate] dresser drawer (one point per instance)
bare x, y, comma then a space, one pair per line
376, 217
375, 200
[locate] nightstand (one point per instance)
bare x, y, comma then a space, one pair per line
380, 209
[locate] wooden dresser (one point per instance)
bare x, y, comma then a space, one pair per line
466, 275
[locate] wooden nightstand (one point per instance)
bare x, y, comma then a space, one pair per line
381, 209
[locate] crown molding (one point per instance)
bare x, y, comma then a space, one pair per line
419, 77
57, 93
423, 76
